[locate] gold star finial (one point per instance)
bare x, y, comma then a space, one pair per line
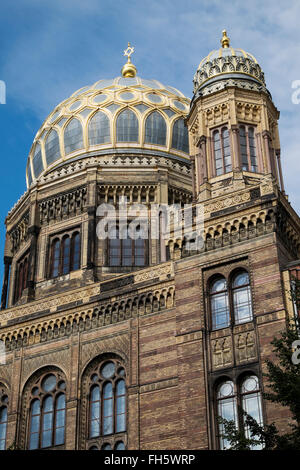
225, 39
129, 70
129, 51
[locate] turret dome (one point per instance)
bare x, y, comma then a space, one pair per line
228, 66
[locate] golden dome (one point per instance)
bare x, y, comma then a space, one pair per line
125, 114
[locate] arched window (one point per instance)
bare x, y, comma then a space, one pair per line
52, 147
107, 403
99, 129
222, 151
241, 293
21, 276
65, 254
219, 304
248, 398
127, 127
3, 418
125, 251
55, 258
75, 252
227, 409
73, 136
231, 305
47, 412
180, 136
251, 402
248, 149
155, 129
37, 161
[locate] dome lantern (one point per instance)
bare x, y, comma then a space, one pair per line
225, 41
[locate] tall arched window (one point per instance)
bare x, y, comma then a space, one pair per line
55, 258
241, 293
219, 304
248, 149
3, 418
47, 412
99, 129
52, 147
107, 406
180, 136
231, 399
73, 136
222, 151
155, 129
75, 262
227, 409
251, 402
65, 254
127, 127
21, 276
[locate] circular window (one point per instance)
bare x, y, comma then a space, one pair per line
108, 370
126, 96
179, 105
99, 98
250, 384
55, 115
154, 98
49, 383
226, 390
75, 105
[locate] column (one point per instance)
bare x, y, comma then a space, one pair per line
33, 231
236, 163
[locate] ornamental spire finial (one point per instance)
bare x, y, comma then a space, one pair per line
225, 39
129, 70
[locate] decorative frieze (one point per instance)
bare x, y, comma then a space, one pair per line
63, 206
20, 233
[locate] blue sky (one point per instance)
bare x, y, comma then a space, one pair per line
50, 49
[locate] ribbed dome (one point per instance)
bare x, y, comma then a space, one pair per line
227, 63
129, 114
